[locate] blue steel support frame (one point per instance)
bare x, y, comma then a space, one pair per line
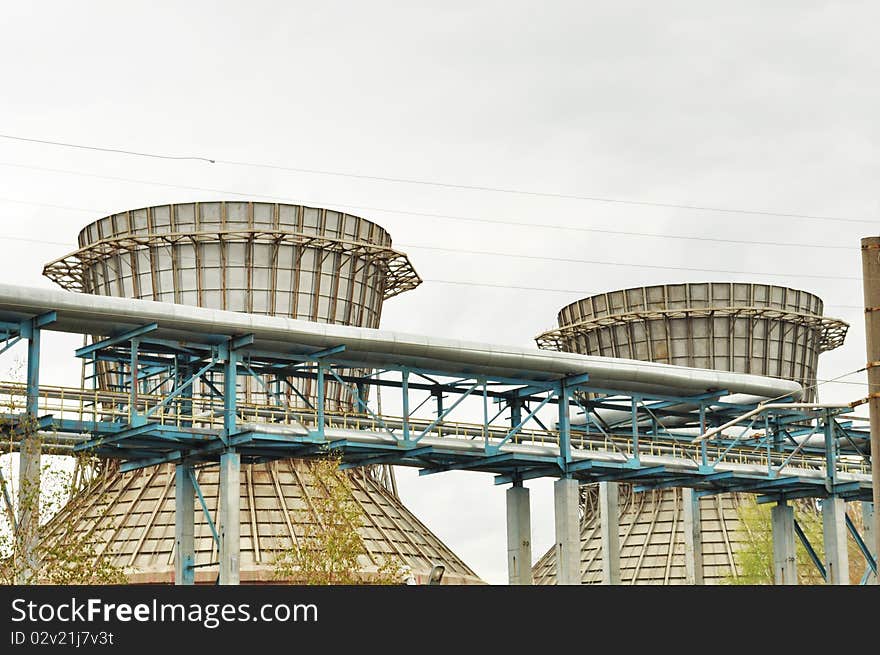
438, 395
814, 556
182, 373
143, 441
185, 387
863, 547
516, 428
121, 338
30, 329
357, 396
230, 392
33, 373
447, 411
515, 405
404, 389
204, 506
830, 453
134, 417
319, 401
635, 429
150, 358
564, 427
704, 447
27, 425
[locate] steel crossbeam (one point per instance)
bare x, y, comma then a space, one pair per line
143, 429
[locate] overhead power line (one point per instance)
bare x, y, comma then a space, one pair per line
454, 218
630, 265
100, 149
447, 185
49, 205
860, 384
450, 217
580, 292
838, 379
31, 240
566, 260
518, 287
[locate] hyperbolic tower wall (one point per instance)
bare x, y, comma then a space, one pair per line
744, 328
263, 258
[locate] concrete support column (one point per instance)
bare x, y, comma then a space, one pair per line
693, 537
184, 526
868, 532
519, 536
784, 554
566, 498
834, 535
27, 560
609, 521
27, 537
228, 528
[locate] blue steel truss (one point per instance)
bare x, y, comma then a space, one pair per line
599, 434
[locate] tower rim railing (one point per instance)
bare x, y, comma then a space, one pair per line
69, 271
832, 330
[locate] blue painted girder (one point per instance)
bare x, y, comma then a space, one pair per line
152, 443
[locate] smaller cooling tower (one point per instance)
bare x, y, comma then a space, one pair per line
729, 326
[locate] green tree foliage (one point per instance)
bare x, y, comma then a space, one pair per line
754, 557
71, 556
329, 550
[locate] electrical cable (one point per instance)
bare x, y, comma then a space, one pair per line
446, 185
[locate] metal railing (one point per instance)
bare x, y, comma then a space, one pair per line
205, 412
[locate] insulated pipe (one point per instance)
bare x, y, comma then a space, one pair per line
81, 313
711, 433
618, 417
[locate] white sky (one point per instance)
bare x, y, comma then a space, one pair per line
754, 105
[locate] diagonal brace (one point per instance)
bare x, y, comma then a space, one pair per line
866, 552
496, 447
387, 459
447, 411
122, 337
179, 390
810, 550
195, 484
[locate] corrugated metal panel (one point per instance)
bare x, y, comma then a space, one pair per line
131, 515
264, 258
732, 326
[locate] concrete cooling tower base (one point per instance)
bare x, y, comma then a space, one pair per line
652, 539
130, 516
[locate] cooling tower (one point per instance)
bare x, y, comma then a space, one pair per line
263, 258
744, 328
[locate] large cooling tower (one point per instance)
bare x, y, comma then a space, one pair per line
288, 260
745, 328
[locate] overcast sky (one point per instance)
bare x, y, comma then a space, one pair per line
768, 106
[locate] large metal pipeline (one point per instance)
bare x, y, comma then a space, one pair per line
617, 417
88, 314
